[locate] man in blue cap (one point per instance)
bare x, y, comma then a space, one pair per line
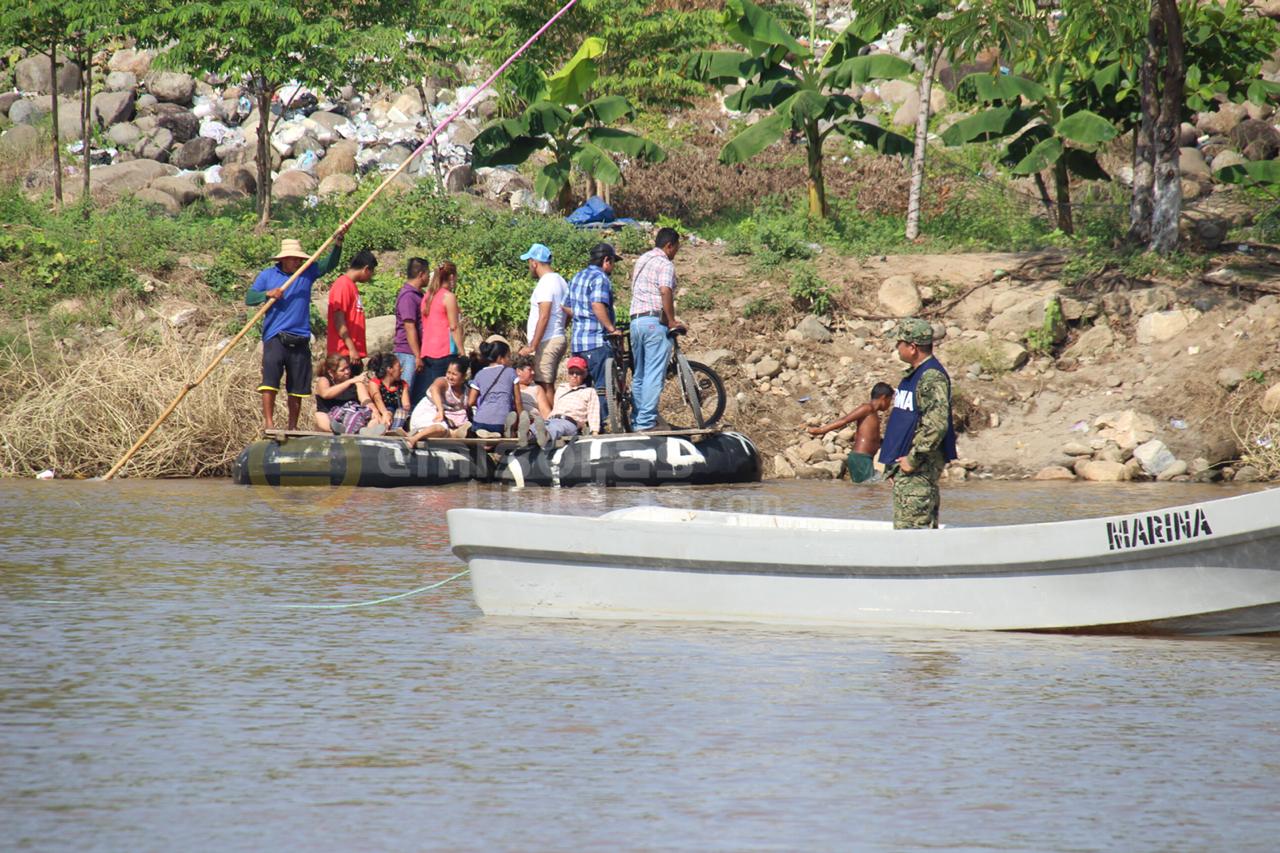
920, 439
545, 328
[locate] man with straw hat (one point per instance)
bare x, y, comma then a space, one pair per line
286, 327
920, 438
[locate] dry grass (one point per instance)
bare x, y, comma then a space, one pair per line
1256, 432
78, 416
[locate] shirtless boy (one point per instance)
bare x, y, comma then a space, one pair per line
866, 442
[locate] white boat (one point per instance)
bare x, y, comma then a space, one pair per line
1206, 568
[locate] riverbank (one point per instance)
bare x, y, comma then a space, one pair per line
1141, 380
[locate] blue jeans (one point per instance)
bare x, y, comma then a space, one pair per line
412, 376
651, 348
596, 359
432, 369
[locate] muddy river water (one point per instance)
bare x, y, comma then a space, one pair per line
155, 696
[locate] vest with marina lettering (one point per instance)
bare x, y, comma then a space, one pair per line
905, 417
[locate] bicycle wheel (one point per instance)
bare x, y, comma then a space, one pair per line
678, 404
708, 391
616, 395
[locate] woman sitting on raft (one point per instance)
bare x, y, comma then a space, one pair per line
342, 401
389, 393
493, 400
443, 411
533, 399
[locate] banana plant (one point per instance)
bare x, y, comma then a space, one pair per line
1045, 129
563, 120
803, 94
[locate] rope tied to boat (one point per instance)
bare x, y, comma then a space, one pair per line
398, 597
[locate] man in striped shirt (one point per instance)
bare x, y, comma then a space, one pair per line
591, 301
653, 317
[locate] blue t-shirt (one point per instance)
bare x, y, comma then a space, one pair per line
292, 312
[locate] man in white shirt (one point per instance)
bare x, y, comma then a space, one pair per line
547, 342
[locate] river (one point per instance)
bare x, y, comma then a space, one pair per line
155, 695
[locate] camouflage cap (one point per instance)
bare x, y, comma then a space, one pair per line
913, 330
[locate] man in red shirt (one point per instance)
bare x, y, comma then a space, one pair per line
346, 311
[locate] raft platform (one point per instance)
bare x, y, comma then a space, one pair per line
694, 457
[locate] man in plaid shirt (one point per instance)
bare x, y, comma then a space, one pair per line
653, 317
591, 301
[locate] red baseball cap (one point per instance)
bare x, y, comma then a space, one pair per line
576, 361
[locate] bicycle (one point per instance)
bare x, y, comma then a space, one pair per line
698, 396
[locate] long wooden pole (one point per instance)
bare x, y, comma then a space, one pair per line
217, 359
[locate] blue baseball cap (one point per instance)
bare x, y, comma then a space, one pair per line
537, 252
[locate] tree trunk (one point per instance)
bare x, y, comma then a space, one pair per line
922, 143
1062, 187
564, 198
86, 201
1144, 144
817, 187
1168, 178
264, 154
1044, 197
57, 144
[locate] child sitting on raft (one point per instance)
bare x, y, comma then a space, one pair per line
492, 398
388, 392
575, 411
342, 401
443, 410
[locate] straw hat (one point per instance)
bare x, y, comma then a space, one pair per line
290, 249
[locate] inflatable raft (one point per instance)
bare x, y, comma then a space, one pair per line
313, 459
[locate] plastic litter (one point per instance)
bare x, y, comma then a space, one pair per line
215, 130
213, 174
46, 474
1177, 423
307, 162
1080, 426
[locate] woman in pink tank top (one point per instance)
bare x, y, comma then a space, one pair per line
441, 324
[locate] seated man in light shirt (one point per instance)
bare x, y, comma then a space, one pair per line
575, 411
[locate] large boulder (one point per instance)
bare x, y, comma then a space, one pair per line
111, 108
340, 159
294, 184
458, 178
183, 124
380, 333
24, 112
124, 135
155, 145
1191, 163
121, 81
1255, 139
182, 189
1160, 326
1153, 456
1054, 472
171, 87
337, 185
811, 329
243, 179
899, 296
33, 74
157, 198
1018, 318
1221, 121
1093, 342
198, 153
135, 62
898, 92
68, 119
1099, 471
122, 179
19, 140
1271, 400
1126, 428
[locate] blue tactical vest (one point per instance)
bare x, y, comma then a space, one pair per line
901, 428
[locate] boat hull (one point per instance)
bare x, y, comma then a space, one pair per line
358, 461
641, 460
1064, 576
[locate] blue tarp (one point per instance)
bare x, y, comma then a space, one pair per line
593, 209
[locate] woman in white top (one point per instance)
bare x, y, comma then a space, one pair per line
443, 409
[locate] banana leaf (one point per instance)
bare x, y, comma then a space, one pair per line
758, 30
985, 126
754, 139
629, 144
1086, 127
568, 85
597, 163
1039, 158
605, 110
862, 69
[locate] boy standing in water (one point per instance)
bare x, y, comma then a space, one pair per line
866, 441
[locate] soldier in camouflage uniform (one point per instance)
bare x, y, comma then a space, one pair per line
920, 439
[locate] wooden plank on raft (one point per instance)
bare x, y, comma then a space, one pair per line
283, 435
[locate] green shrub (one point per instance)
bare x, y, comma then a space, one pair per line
761, 306
810, 290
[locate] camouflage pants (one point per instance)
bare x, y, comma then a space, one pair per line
916, 497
